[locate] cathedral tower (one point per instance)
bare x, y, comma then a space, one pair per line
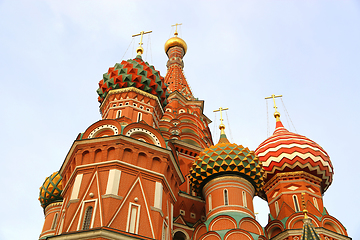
228, 176
296, 169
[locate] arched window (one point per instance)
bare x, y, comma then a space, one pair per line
139, 117
53, 226
296, 203
87, 218
210, 202
244, 199
226, 198
315, 203
118, 114
277, 208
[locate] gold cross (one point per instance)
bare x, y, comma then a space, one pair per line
220, 110
273, 97
140, 50
175, 25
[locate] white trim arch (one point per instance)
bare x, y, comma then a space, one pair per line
102, 128
146, 132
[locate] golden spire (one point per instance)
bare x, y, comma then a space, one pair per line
304, 206
221, 126
276, 114
175, 25
140, 49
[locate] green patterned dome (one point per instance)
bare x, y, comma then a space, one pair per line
134, 73
225, 158
51, 190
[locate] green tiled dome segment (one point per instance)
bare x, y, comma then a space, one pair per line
51, 190
224, 158
133, 73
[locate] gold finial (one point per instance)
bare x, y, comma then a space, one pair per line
221, 126
140, 49
175, 25
304, 205
276, 114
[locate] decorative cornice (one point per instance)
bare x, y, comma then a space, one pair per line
281, 176
131, 89
55, 204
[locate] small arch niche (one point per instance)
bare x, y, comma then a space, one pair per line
179, 236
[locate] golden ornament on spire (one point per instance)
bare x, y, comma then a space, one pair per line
175, 41
140, 49
276, 114
304, 205
221, 126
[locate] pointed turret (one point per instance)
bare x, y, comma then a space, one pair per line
175, 48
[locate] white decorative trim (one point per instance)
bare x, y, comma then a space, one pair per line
303, 146
147, 132
103, 127
126, 164
128, 223
296, 154
82, 210
146, 206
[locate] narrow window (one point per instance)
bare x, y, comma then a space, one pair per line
158, 195
118, 114
76, 187
277, 207
112, 186
133, 219
226, 199
315, 203
296, 203
244, 199
53, 226
210, 202
87, 218
171, 215
139, 117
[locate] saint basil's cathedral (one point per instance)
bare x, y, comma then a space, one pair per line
149, 169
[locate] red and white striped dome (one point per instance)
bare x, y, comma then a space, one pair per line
285, 151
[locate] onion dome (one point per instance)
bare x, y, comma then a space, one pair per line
175, 42
226, 158
134, 73
51, 189
285, 151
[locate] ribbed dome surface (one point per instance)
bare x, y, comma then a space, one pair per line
285, 151
134, 73
51, 190
226, 158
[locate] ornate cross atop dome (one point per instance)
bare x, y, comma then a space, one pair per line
276, 114
140, 49
175, 25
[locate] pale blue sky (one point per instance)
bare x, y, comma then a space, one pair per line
53, 53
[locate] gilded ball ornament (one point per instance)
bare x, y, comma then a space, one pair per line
175, 42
